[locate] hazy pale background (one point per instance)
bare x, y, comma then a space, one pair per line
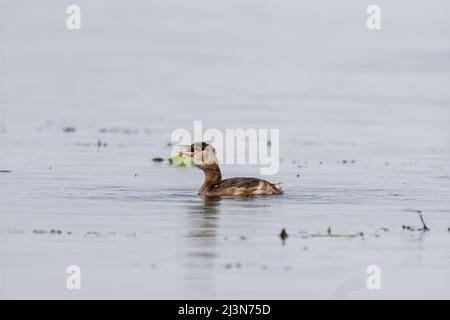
137, 70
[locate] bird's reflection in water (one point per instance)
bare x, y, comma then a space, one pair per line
201, 241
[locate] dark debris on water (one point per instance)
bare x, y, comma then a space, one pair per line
51, 231
101, 144
422, 220
283, 234
69, 129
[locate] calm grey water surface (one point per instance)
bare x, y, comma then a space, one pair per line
134, 73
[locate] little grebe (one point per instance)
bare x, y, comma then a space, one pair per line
203, 157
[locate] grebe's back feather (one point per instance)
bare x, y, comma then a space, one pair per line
243, 187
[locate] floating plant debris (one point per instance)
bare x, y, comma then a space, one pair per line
119, 130
330, 234
92, 234
52, 231
157, 159
424, 226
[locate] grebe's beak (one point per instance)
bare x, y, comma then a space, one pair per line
185, 150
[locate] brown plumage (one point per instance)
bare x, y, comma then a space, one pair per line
203, 156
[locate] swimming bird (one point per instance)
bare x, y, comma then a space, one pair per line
203, 156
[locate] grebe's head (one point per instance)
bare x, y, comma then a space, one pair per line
203, 155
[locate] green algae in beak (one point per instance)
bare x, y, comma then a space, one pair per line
181, 160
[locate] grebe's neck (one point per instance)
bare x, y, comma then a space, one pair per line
212, 177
